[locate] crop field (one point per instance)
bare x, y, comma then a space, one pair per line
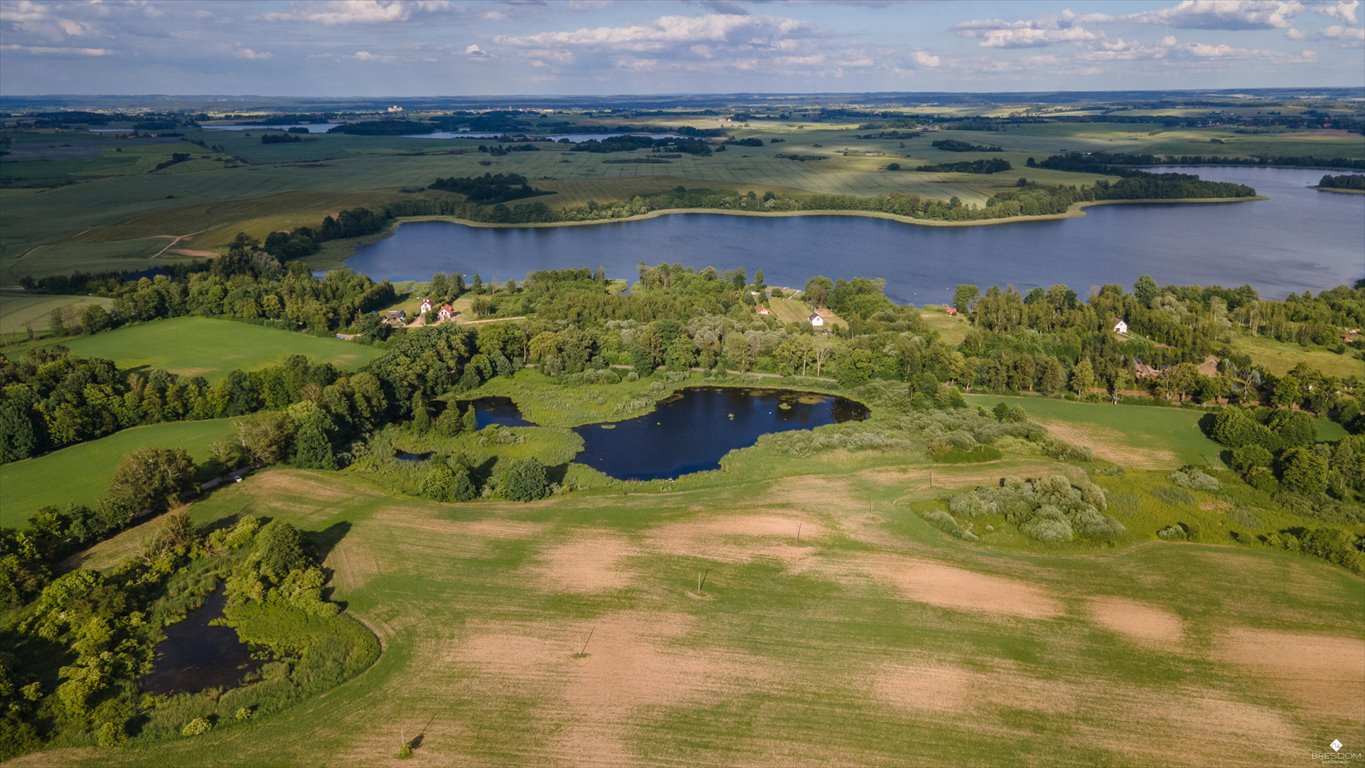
20, 311
80, 473
212, 348
695, 627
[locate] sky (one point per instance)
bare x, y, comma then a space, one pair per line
377, 48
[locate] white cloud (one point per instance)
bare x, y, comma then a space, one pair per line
367, 56
50, 50
251, 55
670, 30
1029, 33
473, 51
74, 28
1223, 14
1342, 10
1350, 35
925, 59
359, 11
25, 11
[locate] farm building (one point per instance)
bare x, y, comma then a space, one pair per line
816, 321
764, 311
1121, 328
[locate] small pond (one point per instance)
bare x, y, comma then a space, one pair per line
195, 655
407, 456
497, 410
692, 430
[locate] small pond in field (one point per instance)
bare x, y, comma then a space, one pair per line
692, 430
197, 655
497, 410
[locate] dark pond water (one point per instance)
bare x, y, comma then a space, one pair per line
407, 456
693, 429
1300, 239
498, 410
195, 655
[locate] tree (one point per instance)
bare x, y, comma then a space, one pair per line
265, 436
313, 436
449, 423
759, 283
153, 479
470, 420
421, 415
1303, 470
1082, 378
964, 297
524, 480
1145, 290
818, 290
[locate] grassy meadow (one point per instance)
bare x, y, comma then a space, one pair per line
20, 311
79, 474
214, 347
1279, 357
574, 632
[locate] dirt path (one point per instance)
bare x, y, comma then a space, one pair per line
174, 239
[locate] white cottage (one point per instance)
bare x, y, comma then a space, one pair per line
1121, 328
816, 321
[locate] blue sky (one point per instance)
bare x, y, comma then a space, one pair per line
560, 47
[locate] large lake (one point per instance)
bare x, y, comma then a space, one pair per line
1300, 239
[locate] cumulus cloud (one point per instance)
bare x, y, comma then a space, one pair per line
252, 55
367, 56
336, 12
1340, 34
473, 51
1223, 14
1342, 10
1028, 33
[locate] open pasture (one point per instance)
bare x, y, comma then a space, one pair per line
20, 311
80, 474
212, 347
628, 629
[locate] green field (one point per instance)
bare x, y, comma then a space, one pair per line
213, 348
545, 633
1280, 356
1128, 435
80, 473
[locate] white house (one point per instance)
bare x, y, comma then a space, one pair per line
425, 308
446, 312
1121, 328
816, 321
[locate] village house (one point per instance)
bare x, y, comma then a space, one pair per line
1121, 328
425, 307
447, 312
952, 311
816, 321
764, 311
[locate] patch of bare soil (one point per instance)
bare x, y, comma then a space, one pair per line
1324, 674
192, 252
352, 563
633, 664
592, 562
298, 484
949, 587
1143, 624
743, 537
1111, 445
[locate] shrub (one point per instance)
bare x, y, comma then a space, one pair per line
1173, 496
977, 503
1304, 471
945, 522
524, 480
1249, 457
1195, 478
197, 726
1262, 479
243, 714
1047, 530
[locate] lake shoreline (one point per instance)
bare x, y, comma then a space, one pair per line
341, 250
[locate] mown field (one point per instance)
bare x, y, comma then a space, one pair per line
119, 214
1279, 357
212, 347
80, 473
573, 632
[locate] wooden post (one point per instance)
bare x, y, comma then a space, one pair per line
798, 533
584, 650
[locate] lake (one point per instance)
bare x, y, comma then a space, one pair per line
1300, 239
196, 655
312, 127
572, 138
692, 430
